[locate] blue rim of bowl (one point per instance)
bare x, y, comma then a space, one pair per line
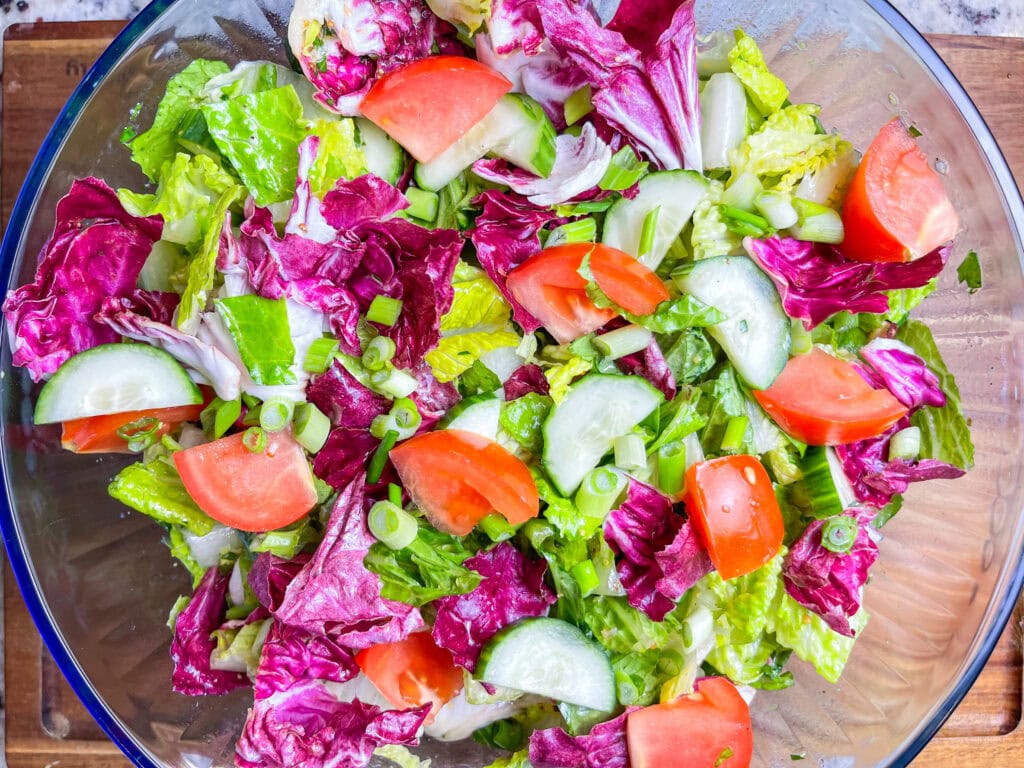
23, 207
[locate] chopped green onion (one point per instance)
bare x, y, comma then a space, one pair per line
649, 232
140, 434
250, 401
742, 191
255, 440
735, 432
394, 494
586, 577
817, 223
623, 341
393, 383
697, 628
802, 342
379, 352
578, 106
672, 467
404, 419
219, 416
777, 209
838, 534
320, 355
423, 205
170, 444
743, 222
630, 452
391, 525
380, 458
579, 231
276, 413
311, 427
497, 528
599, 491
384, 310
252, 416
905, 444
624, 170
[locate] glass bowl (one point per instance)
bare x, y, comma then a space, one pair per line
99, 582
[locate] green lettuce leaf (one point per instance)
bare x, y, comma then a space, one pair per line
158, 145
945, 433
710, 236
340, 155
560, 377
239, 649
187, 196
810, 638
969, 272
478, 322
903, 300
561, 554
562, 513
524, 419
519, 759
286, 542
639, 677
621, 628
262, 334
202, 269
470, 14
181, 551
156, 490
259, 134
684, 418
400, 756
766, 91
689, 355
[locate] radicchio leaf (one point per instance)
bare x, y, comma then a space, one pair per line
604, 747
524, 380
894, 366
290, 655
651, 365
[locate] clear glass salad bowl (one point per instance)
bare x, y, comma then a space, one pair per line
99, 582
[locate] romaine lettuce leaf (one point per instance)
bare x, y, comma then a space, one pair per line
810, 638
621, 628
902, 301
340, 155
767, 92
260, 330
562, 512
202, 269
523, 419
400, 756
156, 490
470, 14
561, 376
183, 554
710, 236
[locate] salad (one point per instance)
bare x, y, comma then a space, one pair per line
526, 372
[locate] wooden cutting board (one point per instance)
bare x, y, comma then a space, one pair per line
45, 723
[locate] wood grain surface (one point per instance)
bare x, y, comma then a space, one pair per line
45, 723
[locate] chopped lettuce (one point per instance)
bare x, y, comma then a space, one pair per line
562, 512
470, 14
185, 92
156, 490
523, 418
810, 638
710, 236
181, 551
340, 155
561, 376
238, 650
202, 269
400, 756
903, 300
969, 272
519, 759
621, 628
262, 335
766, 91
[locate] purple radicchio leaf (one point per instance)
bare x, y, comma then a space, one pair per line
659, 555
815, 281
515, 26
651, 365
306, 726
270, 576
828, 583
604, 747
644, 83
344, 400
512, 589
524, 380
290, 654
335, 595
893, 365
96, 251
192, 645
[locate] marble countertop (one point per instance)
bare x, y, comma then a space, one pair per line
978, 17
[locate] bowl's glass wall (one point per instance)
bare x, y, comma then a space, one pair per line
946, 575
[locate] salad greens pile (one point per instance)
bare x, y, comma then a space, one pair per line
517, 441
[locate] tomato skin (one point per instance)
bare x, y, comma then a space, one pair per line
732, 504
838, 408
98, 434
897, 208
412, 672
693, 731
552, 290
458, 478
429, 104
245, 490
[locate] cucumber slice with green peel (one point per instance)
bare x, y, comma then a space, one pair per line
479, 414
828, 490
582, 428
384, 156
516, 130
756, 333
550, 658
115, 378
676, 193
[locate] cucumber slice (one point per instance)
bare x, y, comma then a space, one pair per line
384, 156
828, 489
516, 130
756, 334
677, 193
723, 106
479, 414
582, 428
550, 658
115, 378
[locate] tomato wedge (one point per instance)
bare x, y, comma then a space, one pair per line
458, 478
897, 208
732, 504
822, 400
710, 728
98, 434
429, 104
412, 672
552, 290
245, 490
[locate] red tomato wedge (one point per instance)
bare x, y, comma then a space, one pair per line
412, 672
428, 105
733, 507
458, 478
710, 728
822, 400
245, 490
98, 434
552, 290
897, 208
